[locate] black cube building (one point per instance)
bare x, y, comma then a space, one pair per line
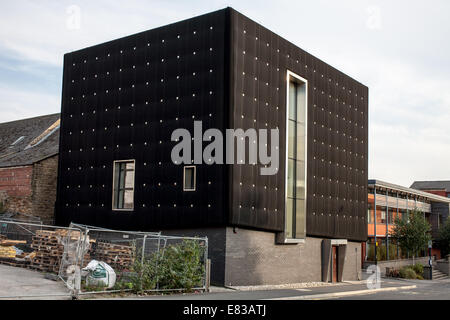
123, 99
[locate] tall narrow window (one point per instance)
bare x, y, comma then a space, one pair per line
189, 178
296, 120
123, 185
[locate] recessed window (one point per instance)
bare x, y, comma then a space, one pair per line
295, 222
123, 185
189, 178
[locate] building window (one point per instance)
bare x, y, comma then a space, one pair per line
123, 185
295, 223
189, 178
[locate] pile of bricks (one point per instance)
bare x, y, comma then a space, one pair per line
118, 256
48, 248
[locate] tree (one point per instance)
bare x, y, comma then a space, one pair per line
444, 238
412, 234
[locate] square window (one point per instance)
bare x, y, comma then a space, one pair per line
123, 185
189, 178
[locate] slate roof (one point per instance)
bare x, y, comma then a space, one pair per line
431, 185
32, 128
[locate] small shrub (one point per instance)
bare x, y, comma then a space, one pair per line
418, 268
2, 207
419, 277
407, 273
178, 266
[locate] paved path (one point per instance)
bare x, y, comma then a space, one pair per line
353, 289
22, 283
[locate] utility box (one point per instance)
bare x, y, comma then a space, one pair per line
428, 272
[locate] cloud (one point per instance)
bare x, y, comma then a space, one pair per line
19, 104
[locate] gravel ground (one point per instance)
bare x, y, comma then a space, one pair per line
301, 285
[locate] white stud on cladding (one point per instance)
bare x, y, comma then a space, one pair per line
178, 57
210, 49
195, 32
210, 70
209, 206
194, 53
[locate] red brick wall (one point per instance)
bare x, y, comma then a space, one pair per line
441, 193
15, 188
44, 189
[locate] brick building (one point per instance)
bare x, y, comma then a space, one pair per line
441, 188
28, 166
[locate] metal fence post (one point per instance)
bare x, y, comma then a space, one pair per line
208, 275
207, 271
143, 249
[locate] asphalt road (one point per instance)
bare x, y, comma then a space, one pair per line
390, 290
425, 290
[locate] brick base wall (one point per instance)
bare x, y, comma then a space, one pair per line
15, 189
253, 258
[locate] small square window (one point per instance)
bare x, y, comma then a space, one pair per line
189, 178
123, 185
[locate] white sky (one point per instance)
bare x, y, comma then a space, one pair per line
399, 49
